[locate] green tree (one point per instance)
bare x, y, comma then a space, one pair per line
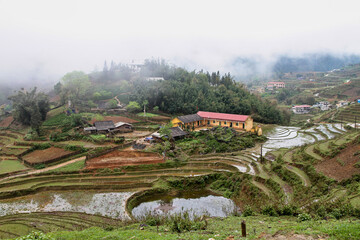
57, 88
75, 86
30, 108
133, 107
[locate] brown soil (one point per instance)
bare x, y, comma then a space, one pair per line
135, 134
118, 158
332, 168
352, 93
116, 119
6, 122
42, 156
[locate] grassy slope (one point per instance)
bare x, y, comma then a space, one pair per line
7, 166
230, 226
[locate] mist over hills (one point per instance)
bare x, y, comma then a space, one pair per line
245, 68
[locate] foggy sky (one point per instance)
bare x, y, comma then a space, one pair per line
42, 40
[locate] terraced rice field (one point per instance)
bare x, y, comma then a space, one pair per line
107, 191
21, 224
11, 165
108, 204
43, 156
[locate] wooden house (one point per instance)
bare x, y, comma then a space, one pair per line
211, 119
109, 127
175, 132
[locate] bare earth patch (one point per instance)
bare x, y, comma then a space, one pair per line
6, 122
42, 156
334, 169
123, 158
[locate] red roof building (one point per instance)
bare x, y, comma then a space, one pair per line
211, 119
272, 85
223, 116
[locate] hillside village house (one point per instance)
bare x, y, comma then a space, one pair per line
210, 119
275, 85
301, 109
342, 104
109, 127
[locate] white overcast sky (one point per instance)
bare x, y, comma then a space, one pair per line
46, 39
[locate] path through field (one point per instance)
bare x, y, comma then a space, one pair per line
44, 169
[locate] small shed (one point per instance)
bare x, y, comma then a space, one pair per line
90, 130
176, 133
123, 127
104, 126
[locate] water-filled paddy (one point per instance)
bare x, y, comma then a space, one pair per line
195, 203
109, 204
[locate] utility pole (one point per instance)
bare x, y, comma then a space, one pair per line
261, 156
355, 123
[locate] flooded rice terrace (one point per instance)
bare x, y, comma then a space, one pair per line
196, 203
288, 137
109, 204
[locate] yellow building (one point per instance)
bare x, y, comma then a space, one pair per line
211, 119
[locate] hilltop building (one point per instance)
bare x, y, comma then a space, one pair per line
275, 85
301, 109
210, 119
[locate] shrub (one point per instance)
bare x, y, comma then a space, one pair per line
183, 222
247, 211
74, 148
41, 146
288, 210
348, 127
270, 211
304, 217
98, 138
119, 140
39, 166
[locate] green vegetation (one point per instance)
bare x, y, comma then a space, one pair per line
133, 107
217, 140
223, 228
141, 114
30, 108
7, 166
72, 167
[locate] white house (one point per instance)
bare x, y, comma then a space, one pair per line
301, 109
342, 104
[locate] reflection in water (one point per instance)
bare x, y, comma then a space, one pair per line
214, 206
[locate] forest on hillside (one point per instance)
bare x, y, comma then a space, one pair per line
184, 92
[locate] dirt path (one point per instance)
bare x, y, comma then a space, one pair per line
44, 169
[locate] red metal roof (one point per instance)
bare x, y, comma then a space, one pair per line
302, 106
223, 116
276, 83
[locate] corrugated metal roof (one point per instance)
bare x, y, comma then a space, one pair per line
104, 125
119, 124
177, 132
223, 116
190, 118
90, 129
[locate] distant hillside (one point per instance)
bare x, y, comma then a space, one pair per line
313, 62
